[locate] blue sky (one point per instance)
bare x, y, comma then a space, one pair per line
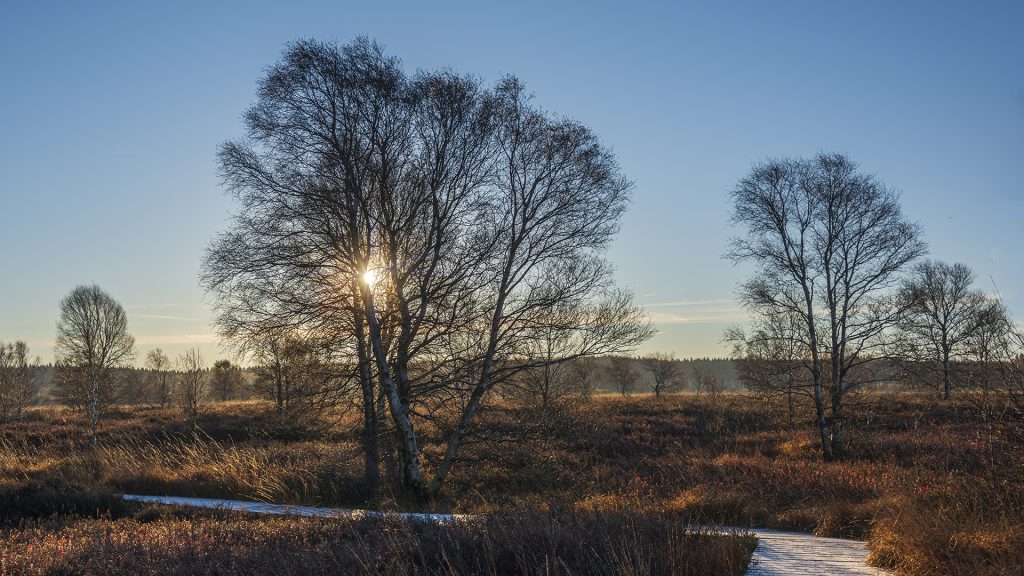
111, 114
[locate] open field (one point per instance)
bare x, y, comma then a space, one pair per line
933, 487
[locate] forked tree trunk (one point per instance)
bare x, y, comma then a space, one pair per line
371, 453
371, 465
410, 476
482, 386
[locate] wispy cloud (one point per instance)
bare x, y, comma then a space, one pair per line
710, 311
688, 303
166, 317
165, 339
160, 306
675, 318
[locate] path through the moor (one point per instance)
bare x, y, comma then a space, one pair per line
796, 554
777, 553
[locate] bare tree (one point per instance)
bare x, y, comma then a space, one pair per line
829, 243
943, 312
556, 377
434, 228
557, 199
584, 372
191, 377
160, 381
225, 380
20, 380
705, 379
623, 374
666, 372
771, 359
1013, 379
296, 373
92, 343
990, 347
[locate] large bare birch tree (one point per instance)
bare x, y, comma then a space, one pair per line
433, 229
828, 242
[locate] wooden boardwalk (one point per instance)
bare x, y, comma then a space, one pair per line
777, 553
796, 554
287, 509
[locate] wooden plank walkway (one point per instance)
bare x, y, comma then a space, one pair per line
288, 509
796, 554
777, 553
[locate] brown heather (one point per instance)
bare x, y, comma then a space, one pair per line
933, 487
601, 544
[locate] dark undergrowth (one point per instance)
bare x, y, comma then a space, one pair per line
85, 534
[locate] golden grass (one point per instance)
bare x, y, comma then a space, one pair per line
933, 487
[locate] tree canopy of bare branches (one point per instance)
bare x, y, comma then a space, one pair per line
20, 380
623, 374
943, 313
771, 359
433, 229
995, 343
705, 379
828, 242
159, 381
191, 383
92, 342
666, 372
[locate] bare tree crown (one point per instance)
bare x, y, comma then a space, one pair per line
483, 219
829, 243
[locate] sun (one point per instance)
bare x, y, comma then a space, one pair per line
370, 277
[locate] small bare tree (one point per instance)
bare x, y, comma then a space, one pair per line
191, 383
584, 373
705, 379
666, 372
623, 374
20, 380
92, 343
943, 313
990, 346
160, 382
296, 373
771, 359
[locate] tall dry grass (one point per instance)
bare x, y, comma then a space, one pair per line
935, 488
521, 544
